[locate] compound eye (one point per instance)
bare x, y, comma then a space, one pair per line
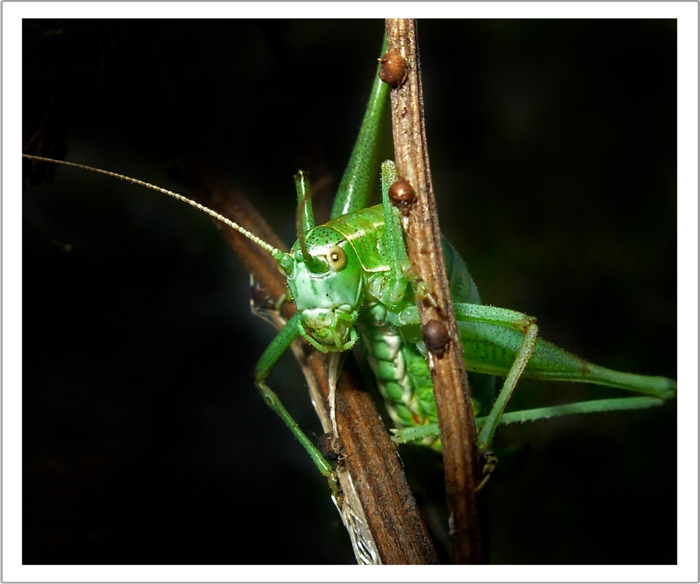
336, 259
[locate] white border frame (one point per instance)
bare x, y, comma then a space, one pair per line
687, 568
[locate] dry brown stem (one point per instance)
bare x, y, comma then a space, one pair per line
455, 415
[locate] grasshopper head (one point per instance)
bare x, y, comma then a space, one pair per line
326, 283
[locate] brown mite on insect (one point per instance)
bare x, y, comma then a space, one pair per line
402, 194
436, 337
393, 69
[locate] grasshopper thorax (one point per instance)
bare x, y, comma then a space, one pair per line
327, 286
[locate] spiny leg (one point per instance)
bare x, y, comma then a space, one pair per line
489, 428
417, 433
363, 167
526, 324
262, 371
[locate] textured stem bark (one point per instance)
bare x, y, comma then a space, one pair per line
458, 432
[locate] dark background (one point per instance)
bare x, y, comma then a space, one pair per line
553, 150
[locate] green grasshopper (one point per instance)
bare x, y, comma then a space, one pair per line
345, 337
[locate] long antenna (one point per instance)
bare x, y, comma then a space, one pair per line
280, 256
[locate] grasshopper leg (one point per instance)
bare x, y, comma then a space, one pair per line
262, 371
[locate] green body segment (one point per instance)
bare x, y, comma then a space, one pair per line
402, 375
